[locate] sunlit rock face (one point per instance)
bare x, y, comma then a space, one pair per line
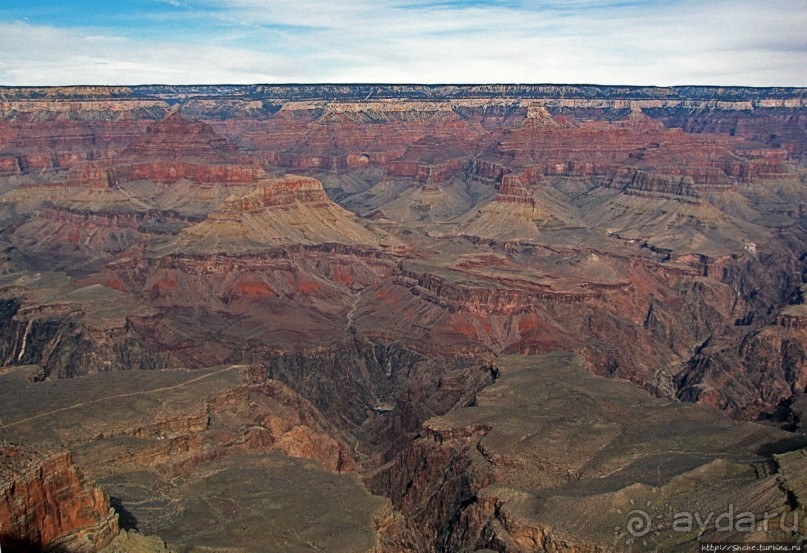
47, 503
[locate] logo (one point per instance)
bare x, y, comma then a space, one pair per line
642, 525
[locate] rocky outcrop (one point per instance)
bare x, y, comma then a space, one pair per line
185, 431
202, 173
79, 236
130, 541
561, 151
435, 486
773, 125
44, 148
432, 159
633, 181
92, 175
207, 415
69, 331
492, 475
257, 414
288, 211
90, 108
103, 155
176, 148
755, 378
482, 300
426, 174
176, 137
151, 222
10, 165
514, 189
283, 193
46, 504
755, 370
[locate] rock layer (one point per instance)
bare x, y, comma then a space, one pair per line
46, 503
552, 459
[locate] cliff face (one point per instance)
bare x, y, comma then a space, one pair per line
289, 211
774, 126
770, 359
488, 476
69, 332
250, 414
46, 503
176, 148
633, 181
214, 413
31, 146
227, 436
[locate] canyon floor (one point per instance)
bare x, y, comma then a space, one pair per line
398, 318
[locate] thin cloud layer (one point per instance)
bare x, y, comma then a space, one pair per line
426, 41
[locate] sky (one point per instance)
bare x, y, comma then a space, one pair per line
663, 42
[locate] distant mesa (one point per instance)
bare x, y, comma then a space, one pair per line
177, 148
293, 210
177, 137
171, 149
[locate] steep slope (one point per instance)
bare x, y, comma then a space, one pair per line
519, 213
67, 329
550, 458
47, 504
292, 210
168, 177
197, 457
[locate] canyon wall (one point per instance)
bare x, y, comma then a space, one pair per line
45, 503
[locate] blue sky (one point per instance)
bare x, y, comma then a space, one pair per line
664, 42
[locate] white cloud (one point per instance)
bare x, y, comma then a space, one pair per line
37, 55
741, 42
673, 42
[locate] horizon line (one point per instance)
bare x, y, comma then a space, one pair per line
403, 84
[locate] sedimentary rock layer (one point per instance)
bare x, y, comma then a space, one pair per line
46, 503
